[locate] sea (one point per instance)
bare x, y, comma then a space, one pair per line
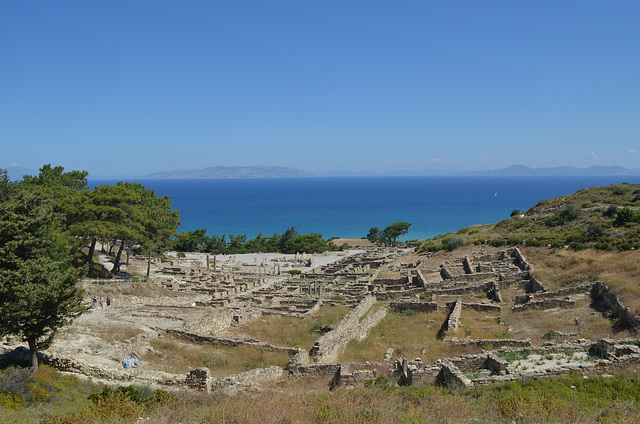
347, 207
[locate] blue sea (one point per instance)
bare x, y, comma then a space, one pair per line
348, 207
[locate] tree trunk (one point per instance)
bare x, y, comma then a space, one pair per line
92, 249
112, 245
149, 264
116, 263
33, 353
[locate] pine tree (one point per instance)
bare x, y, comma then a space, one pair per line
38, 292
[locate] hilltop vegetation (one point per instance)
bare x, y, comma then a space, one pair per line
602, 218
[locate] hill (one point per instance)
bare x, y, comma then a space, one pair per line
603, 218
235, 172
523, 170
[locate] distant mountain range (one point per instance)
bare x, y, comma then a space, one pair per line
285, 172
235, 172
523, 170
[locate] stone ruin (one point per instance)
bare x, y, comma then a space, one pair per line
232, 296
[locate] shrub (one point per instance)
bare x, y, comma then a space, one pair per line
452, 243
327, 414
625, 246
602, 246
567, 214
626, 215
533, 243
610, 212
16, 383
551, 334
515, 212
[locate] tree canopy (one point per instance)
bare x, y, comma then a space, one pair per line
288, 242
38, 292
388, 236
46, 218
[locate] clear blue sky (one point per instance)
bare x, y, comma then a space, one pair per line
134, 87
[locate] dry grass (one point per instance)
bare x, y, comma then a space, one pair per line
580, 319
479, 325
565, 268
115, 332
410, 335
177, 356
568, 399
290, 331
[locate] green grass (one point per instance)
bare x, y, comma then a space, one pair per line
566, 399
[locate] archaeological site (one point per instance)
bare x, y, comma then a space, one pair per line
471, 317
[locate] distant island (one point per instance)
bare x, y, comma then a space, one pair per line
525, 171
235, 172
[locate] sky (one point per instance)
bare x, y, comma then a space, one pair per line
135, 87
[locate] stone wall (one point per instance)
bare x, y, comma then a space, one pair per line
601, 291
329, 346
313, 370
444, 273
453, 321
490, 344
519, 259
482, 307
460, 289
419, 279
239, 382
466, 265
402, 306
544, 304
199, 379
532, 285
230, 341
451, 376
524, 298
215, 324
354, 374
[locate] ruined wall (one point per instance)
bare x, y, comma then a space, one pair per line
451, 376
419, 279
482, 307
329, 346
354, 374
314, 370
519, 259
466, 265
544, 304
602, 291
453, 321
214, 324
534, 286
492, 343
199, 379
507, 280
239, 382
230, 341
461, 289
444, 273
402, 306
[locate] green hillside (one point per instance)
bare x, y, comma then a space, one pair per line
602, 218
